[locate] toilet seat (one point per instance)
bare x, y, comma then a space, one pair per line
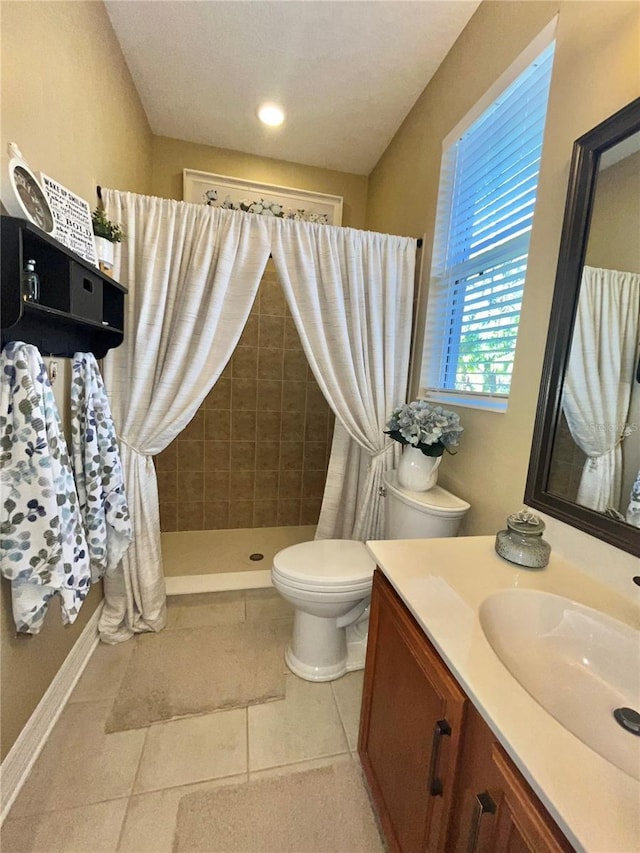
330, 565
322, 589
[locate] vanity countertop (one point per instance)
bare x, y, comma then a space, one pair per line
443, 582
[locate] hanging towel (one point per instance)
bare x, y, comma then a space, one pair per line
43, 550
98, 471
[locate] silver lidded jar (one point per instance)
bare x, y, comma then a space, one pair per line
522, 543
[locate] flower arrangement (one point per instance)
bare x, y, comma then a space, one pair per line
103, 227
431, 429
263, 208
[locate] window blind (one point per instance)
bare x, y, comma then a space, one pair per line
487, 195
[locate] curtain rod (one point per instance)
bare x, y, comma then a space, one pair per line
99, 192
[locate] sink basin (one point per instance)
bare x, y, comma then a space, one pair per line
578, 663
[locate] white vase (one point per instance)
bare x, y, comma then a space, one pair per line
105, 253
418, 472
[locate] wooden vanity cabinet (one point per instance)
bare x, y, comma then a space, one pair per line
438, 778
495, 809
410, 727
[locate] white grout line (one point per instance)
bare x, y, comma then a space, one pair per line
340, 717
133, 786
246, 717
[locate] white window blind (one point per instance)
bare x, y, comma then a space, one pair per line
488, 184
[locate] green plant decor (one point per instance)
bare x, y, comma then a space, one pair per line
103, 227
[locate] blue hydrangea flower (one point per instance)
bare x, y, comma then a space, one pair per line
431, 429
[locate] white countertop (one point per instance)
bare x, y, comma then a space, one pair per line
443, 582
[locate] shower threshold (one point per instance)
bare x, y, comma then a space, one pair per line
216, 560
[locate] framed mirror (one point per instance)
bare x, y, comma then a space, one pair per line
585, 457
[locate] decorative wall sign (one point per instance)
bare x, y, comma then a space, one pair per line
72, 218
263, 199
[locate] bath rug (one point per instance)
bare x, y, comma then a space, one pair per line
315, 811
191, 671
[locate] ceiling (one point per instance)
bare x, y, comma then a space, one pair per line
346, 73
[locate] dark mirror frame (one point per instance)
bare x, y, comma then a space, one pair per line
585, 162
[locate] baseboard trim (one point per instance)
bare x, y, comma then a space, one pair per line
21, 757
217, 582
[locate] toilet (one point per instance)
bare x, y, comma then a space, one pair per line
328, 581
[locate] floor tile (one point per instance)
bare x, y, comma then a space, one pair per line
204, 609
81, 764
302, 726
348, 695
301, 766
76, 797
103, 673
193, 750
267, 604
150, 821
92, 828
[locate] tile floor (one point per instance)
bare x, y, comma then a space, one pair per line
92, 793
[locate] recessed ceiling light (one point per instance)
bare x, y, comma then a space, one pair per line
271, 114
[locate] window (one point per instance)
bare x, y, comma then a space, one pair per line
488, 184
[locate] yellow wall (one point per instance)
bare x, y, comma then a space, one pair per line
68, 99
614, 234
595, 73
69, 103
171, 156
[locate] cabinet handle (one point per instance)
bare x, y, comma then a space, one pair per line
441, 729
483, 805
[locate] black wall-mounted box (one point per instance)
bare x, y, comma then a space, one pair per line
86, 294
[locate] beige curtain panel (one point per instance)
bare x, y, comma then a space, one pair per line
351, 295
193, 273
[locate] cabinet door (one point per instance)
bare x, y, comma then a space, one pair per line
495, 810
522, 823
410, 727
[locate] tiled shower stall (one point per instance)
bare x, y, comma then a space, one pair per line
256, 452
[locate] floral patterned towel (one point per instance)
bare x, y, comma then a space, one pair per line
96, 462
43, 550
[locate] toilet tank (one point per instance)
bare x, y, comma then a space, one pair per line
421, 515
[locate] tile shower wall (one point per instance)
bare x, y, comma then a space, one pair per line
567, 463
256, 452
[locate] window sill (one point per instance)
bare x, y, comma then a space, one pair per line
485, 403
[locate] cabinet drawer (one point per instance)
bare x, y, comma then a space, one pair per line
86, 293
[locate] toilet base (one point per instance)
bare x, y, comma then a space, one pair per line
357, 645
320, 651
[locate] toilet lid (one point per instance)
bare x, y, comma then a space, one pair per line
328, 563
437, 501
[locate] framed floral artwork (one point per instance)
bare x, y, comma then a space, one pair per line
262, 199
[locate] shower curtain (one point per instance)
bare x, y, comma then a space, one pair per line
193, 272
599, 378
351, 296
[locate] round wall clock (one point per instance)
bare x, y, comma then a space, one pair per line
22, 195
